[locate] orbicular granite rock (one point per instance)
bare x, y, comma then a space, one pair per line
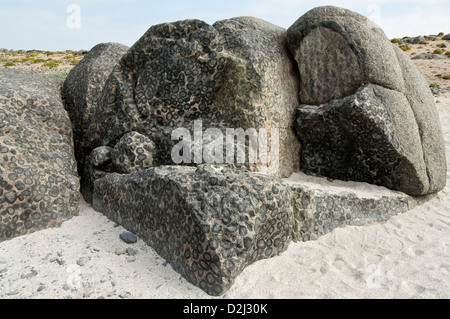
208, 222
39, 186
133, 153
367, 114
234, 74
321, 205
81, 92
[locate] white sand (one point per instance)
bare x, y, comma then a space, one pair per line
406, 257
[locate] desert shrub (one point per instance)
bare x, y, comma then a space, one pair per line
9, 64
405, 47
438, 51
74, 61
68, 57
39, 61
422, 42
441, 45
32, 55
28, 60
52, 64
434, 86
395, 40
49, 53
447, 53
440, 34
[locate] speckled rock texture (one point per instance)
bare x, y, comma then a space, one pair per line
39, 185
367, 114
81, 91
208, 222
236, 73
133, 153
321, 205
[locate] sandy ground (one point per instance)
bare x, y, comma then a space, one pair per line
406, 257
434, 69
39, 61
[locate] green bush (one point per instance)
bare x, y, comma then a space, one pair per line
423, 42
441, 44
447, 53
434, 85
405, 47
52, 64
9, 64
440, 34
39, 61
28, 60
438, 51
49, 53
74, 61
395, 40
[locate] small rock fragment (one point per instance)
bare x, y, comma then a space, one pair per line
128, 237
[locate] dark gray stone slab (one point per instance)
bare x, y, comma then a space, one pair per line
321, 205
208, 222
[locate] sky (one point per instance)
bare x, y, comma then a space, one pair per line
56, 25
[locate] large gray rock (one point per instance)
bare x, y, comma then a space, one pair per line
429, 56
336, 51
39, 186
416, 40
367, 114
208, 222
236, 74
322, 205
81, 91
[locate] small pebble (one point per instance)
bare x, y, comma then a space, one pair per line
128, 237
120, 251
82, 261
29, 275
41, 288
60, 261
96, 249
12, 293
131, 259
131, 252
3, 270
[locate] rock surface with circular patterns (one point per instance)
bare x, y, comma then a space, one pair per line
208, 222
133, 153
39, 185
236, 73
81, 91
367, 113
